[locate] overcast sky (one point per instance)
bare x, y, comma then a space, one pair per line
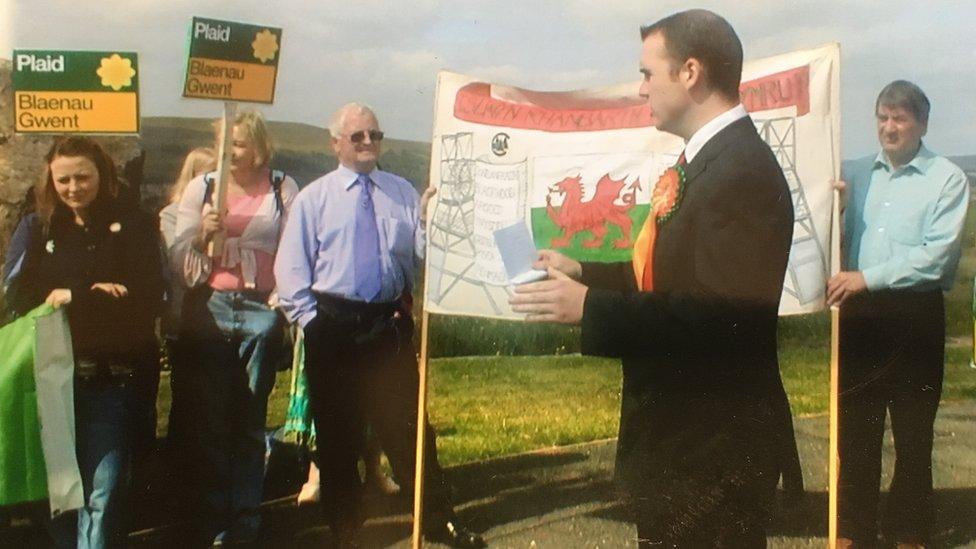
387, 53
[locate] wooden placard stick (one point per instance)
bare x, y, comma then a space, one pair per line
834, 458
418, 479
224, 152
417, 537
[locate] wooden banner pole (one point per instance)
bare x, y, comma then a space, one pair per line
834, 458
225, 150
418, 479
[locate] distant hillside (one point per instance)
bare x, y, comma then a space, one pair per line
303, 151
968, 165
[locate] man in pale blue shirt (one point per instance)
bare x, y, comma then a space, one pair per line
903, 227
349, 251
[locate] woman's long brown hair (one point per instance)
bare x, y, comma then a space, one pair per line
48, 200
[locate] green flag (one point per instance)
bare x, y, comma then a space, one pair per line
23, 476
37, 419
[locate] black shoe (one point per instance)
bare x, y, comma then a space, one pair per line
452, 533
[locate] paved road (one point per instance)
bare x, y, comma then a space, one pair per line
563, 498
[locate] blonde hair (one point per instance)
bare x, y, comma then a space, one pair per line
251, 121
199, 160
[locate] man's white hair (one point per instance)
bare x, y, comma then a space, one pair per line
339, 117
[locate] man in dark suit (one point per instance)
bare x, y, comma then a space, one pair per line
694, 316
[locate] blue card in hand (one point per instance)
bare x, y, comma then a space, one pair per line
518, 253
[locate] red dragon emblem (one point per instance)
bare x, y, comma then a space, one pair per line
594, 215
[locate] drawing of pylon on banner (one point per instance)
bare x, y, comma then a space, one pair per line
451, 226
475, 197
808, 264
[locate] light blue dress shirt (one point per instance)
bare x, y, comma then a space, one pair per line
904, 226
316, 252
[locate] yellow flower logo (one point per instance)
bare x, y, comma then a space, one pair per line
116, 72
265, 45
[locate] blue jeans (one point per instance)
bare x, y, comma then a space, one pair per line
231, 344
103, 424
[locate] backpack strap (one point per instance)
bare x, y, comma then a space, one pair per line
277, 179
208, 182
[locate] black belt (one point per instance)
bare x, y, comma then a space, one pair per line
103, 370
901, 303
359, 312
204, 291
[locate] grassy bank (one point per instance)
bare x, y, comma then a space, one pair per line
490, 406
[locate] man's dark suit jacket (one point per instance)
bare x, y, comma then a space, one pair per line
701, 381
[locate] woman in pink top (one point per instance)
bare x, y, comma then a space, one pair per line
230, 338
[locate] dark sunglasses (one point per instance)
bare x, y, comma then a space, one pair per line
360, 136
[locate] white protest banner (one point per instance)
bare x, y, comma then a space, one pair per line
578, 168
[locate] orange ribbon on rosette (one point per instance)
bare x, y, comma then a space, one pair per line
665, 201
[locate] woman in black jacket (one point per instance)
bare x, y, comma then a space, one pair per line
99, 258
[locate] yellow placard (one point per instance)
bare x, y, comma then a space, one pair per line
76, 112
229, 80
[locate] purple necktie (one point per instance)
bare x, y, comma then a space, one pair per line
367, 242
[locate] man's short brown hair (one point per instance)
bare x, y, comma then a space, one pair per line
708, 38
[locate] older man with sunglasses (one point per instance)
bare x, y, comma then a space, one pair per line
349, 250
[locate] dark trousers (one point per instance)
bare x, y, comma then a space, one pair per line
228, 351
891, 360
789, 455
362, 369
145, 386
727, 509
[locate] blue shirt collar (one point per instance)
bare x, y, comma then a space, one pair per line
350, 176
920, 163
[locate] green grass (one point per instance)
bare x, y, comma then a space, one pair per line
806, 375
458, 336
486, 407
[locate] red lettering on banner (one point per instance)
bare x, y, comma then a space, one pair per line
474, 103
775, 91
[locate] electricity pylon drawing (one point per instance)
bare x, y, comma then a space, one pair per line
807, 268
452, 248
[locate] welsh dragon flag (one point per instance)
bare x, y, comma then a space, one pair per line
577, 168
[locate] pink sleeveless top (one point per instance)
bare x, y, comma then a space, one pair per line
240, 212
